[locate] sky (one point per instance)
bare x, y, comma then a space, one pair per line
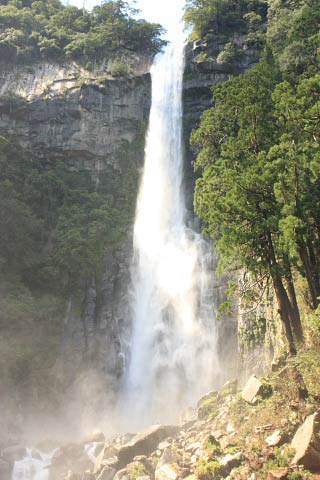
165, 12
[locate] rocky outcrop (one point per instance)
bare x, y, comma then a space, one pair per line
145, 443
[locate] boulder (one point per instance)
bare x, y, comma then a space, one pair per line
166, 458
164, 445
208, 396
145, 443
69, 458
107, 473
275, 439
231, 461
122, 475
278, 474
193, 447
108, 452
168, 471
252, 389
306, 443
226, 442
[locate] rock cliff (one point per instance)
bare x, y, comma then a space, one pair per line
92, 123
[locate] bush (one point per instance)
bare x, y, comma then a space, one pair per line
119, 69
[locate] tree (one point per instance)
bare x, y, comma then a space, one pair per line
235, 194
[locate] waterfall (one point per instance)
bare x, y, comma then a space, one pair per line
34, 466
173, 345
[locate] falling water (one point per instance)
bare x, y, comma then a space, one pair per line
34, 466
173, 356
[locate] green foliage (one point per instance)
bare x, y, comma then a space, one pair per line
259, 186
208, 470
233, 136
224, 16
293, 33
87, 224
30, 342
136, 470
57, 223
279, 461
211, 448
50, 29
308, 364
119, 69
228, 54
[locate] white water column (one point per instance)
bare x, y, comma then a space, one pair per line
173, 348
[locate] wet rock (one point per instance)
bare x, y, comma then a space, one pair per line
93, 450
306, 443
35, 454
145, 443
108, 452
252, 389
69, 458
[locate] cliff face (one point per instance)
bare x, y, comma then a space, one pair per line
93, 124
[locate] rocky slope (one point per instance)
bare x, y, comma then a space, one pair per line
269, 429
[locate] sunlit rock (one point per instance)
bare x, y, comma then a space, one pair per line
145, 443
252, 389
306, 443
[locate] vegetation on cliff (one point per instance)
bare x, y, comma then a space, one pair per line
259, 185
57, 224
35, 29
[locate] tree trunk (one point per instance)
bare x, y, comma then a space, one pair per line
284, 306
294, 313
283, 309
303, 253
